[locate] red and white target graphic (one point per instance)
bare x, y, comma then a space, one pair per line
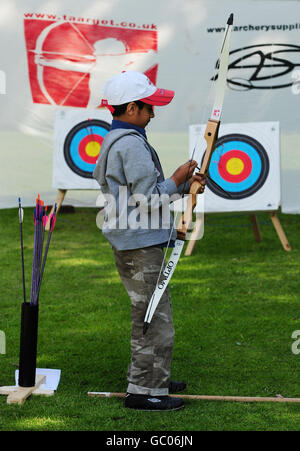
69, 62
244, 172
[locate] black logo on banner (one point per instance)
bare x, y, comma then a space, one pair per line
264, 66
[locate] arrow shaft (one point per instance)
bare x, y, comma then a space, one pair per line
21, 214
207, 397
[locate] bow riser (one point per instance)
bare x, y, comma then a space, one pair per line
210, 135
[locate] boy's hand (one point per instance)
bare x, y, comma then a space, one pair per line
199, 178
184, 172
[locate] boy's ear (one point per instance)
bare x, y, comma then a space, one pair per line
131, 107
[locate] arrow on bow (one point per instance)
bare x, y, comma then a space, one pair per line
210, 135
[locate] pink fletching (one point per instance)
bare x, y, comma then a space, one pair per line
53, 221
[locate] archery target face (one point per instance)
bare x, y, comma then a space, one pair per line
78, 137
83, 144
245, 164
240, 166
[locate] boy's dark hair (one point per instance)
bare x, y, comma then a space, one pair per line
120, 109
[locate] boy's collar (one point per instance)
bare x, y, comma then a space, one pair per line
121, 124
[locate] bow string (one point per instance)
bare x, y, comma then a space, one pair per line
210, 135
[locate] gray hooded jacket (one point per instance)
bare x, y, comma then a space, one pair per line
137, 195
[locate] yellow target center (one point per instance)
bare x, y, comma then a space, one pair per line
234, 166
92, 148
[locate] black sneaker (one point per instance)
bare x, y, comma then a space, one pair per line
176, 387
153, 403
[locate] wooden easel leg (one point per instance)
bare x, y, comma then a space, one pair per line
196, 234
255, 227
59, 201
280, 232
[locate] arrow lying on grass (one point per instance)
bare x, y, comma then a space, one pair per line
278, 398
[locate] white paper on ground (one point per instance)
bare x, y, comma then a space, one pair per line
52, 377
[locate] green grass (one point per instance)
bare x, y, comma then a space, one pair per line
235, 303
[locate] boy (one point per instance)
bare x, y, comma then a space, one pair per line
130, 176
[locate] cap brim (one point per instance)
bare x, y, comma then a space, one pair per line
160, 97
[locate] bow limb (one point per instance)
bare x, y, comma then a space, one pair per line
211, 133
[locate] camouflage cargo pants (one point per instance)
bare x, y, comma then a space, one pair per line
151, 354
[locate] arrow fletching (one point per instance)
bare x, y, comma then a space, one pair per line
53, 218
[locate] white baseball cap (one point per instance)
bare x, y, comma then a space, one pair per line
132, 85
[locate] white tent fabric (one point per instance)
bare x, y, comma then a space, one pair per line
57, 54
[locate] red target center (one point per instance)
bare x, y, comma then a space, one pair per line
235, 166
85, 148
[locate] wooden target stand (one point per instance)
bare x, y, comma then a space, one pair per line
18, 395
256, 231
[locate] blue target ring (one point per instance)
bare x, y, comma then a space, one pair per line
239, 165
83, 144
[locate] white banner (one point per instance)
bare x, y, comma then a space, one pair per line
58, 54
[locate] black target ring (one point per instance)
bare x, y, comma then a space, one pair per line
239, 165
83, 144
